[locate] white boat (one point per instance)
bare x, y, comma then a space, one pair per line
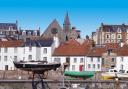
113, 73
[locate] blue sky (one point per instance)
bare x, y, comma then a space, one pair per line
85, 15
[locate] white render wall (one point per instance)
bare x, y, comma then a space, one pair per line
22, 54
122, 61
86, 61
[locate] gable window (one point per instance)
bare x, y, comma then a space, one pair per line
81, 60
45, 51
5, 50
5, 58
75, 60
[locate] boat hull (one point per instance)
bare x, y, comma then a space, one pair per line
108, 76
36, 67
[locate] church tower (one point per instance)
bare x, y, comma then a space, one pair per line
66, 25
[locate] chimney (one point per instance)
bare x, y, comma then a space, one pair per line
56, 41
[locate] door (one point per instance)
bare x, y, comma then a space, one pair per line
81, 67
6, 67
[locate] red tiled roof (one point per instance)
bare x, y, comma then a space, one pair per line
11, 43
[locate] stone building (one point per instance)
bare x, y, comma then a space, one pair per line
111, 34
68, 32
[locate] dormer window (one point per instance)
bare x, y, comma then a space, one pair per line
29, 33
35, 33
23, 32
10, 28
119, 30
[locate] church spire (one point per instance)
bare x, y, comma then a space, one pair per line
66, 25
66, 20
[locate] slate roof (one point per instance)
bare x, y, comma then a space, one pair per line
6, 26
114, 28
38, 43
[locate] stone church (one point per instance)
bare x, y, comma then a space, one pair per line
64, 34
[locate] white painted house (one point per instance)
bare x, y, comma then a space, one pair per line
78, 55
122, 58
17, 50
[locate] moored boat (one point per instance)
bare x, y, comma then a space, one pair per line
81, 74
36, 66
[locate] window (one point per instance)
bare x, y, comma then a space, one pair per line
89, 66
91, 59
113, 59
30, 49
107, 36
0, 58
121, 67
57, 60
5, 58
73, 67
5, 50
75, 60
98, 60
45, 51
15, 50
30, 57
98, 66
44, 58
93, 65
15, 58
81, 60
122, 59
0, 50
103, 61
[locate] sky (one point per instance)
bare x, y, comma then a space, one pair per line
85, 15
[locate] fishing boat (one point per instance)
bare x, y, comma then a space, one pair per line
36, 66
